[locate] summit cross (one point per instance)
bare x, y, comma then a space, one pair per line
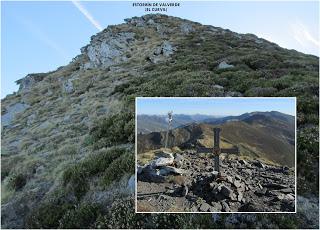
216, 150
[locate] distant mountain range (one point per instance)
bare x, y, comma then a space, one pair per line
155, 123
266, 135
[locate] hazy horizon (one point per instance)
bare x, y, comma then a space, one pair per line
213, 115
215, 106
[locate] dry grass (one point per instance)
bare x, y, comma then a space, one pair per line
143, 206
180, 180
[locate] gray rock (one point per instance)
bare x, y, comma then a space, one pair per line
275, 186
107, 48
131, 184
186, 28
289, 197
243, 162
215, 207
167, 49
205, 207
261, 192
139, 169
240, 196
68, 86
31, 79
286, 190
237, 183
178, 160
258, 164
226, 191
229, 179
224, 65
12, 111
166, 170
225, 206
185, 190
194, 209
163, 161
219, 87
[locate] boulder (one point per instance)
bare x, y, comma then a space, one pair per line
108, 48
27, 82
185, 190
237, 183
258, 164
243, 162
225, 206
186, 28
167, 49
131, 184
261, 192
11, 112
224, 65
275, 186
215, 207
286, 190
166, 170
68, 86
226, 191
204, 207
178, 160
162, 161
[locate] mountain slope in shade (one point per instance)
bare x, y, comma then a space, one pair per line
267, 135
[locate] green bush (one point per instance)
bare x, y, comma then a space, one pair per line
125, 164
114, 129
49, 212
76, 176
17, 181
82, 216
121, 215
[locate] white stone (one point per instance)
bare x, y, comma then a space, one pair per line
224, 65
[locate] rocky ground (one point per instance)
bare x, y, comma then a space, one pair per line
190, 184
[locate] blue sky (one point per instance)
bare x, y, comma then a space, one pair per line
212, 106
41, 36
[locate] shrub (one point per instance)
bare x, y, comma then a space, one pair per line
83, 216
17, 181
261, 92
114, 129
123, 165
49, 212
76, 176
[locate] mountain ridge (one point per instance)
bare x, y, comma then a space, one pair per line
265, 134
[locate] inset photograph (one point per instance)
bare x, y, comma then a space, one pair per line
215, 154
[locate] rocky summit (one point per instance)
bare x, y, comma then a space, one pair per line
67, 158
194, 186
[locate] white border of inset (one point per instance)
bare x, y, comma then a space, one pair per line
262, 98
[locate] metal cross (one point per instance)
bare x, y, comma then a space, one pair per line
216, 150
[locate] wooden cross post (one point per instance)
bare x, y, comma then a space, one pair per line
217, 150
